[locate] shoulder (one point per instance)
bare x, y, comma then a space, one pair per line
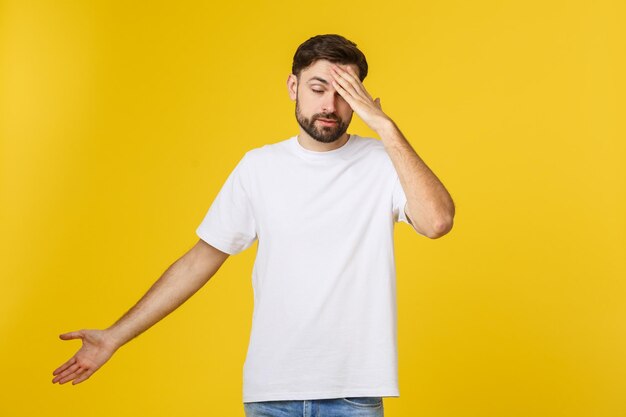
268, 153
371, 144
370, 148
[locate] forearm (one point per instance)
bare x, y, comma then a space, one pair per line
179, 282
430, 205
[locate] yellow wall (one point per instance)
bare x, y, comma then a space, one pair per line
119, 123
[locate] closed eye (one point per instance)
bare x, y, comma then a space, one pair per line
317, 91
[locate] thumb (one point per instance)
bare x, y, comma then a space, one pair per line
71, 335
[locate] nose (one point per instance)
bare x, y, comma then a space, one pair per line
328, 105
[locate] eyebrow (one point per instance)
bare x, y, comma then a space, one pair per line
318, 79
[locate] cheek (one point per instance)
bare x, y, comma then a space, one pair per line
310, 98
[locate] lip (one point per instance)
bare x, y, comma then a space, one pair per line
328, 122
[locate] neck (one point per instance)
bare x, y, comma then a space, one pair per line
311, 144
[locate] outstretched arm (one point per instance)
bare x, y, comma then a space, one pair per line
179, 282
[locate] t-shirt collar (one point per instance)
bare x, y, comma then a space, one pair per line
322, 154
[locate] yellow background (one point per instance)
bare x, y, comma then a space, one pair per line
119, 122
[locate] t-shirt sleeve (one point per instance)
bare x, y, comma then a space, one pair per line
229, 224
399, 201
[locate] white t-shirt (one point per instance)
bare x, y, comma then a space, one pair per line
324, 320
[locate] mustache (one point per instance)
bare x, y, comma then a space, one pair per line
326, 116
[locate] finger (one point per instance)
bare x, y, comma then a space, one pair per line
353, 80
84, 376
71, 335
73, 375
67, 372
355, 75
64, 366
344, 82
343, 93
351, 70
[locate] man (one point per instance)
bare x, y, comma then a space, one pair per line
322, 205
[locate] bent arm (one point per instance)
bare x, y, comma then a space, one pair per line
179, 282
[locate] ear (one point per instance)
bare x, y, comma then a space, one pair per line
292, 87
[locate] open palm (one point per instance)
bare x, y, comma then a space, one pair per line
96, 350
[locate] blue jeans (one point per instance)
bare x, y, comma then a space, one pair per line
328, 407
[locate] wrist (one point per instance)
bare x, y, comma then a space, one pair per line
114, 338
384, 126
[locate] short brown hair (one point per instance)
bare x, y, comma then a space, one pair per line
334, 48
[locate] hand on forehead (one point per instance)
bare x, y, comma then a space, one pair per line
323, 67
351, 68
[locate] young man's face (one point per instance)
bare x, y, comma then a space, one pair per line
320, 110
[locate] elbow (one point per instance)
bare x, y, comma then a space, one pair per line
438, 225
444, 222
441, 228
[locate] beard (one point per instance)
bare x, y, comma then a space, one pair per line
325, 134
